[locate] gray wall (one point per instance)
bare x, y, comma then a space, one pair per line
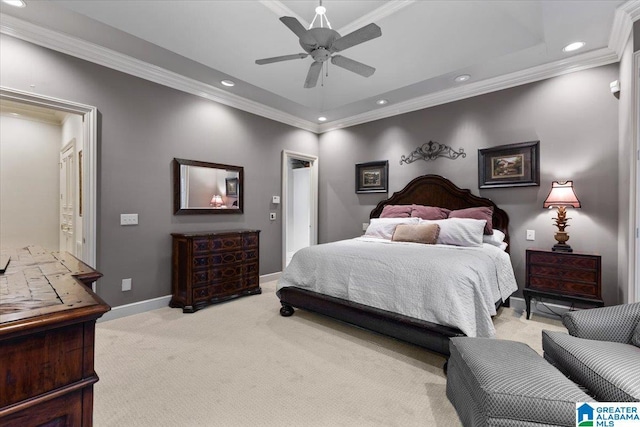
574, 116
142, 127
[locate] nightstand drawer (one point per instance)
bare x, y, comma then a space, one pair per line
558, 272
564, 260
564, 287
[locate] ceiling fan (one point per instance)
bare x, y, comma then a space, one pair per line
322, 43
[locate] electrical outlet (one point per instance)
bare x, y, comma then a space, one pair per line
128, 219
126, 285
531, 234
272, 216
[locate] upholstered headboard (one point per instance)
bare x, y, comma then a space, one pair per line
435, 190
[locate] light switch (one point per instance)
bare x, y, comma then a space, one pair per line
531, 234
128, 219
275, 200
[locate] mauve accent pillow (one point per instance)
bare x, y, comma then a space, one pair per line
396, 211
482, 212
418, 233
429, 212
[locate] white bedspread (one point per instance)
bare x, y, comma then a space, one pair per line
448, 285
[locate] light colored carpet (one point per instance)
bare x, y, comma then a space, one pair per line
241, 364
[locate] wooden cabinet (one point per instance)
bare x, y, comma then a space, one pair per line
213, 267
47, 329
565, 276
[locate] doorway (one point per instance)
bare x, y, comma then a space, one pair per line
299, 203
87, 164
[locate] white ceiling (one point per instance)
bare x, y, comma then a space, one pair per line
192, 45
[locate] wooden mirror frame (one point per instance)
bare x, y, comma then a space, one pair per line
179, 210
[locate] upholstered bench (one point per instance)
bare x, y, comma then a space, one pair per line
493, 382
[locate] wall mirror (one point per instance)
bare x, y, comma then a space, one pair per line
207, 188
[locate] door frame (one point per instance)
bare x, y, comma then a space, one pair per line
89, 160
313, 160
69, 146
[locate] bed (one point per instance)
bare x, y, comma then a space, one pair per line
378, 268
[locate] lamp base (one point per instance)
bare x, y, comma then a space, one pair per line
561, 247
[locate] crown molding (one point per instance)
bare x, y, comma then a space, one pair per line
280, 9
578, 63
91, 52
388, 8
623, 21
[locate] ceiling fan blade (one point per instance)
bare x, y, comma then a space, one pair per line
313, 74
361, 35
281, 58
294, 25
353, 66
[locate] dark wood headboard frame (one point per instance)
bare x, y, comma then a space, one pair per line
435, 190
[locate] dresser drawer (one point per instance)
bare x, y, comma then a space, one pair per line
561, 272
564, 287
226, 242
227, 257
251, 255
200, 245
200, 294
250, 240
226, 272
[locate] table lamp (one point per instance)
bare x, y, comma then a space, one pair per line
216, 201
561, 196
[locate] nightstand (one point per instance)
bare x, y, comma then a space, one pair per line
564, 276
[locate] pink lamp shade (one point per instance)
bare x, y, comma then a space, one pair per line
561, 194
216, 201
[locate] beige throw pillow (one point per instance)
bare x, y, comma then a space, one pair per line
418, 233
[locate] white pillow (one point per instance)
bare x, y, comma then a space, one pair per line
494, 239
383, 228
460, 231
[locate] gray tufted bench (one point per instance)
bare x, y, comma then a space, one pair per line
493, 382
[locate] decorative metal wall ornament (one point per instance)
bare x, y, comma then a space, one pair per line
432, 150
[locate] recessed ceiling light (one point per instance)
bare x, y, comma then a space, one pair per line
15, 3
228, 83
573, 46
322, 119
462, 78
382, 102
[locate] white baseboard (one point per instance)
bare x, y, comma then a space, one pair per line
155, 303
269, 277
135, 308
518, 303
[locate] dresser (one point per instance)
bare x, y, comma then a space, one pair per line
212, 267
566, 276
47, 329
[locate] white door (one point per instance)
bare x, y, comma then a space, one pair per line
67, 199
299, 203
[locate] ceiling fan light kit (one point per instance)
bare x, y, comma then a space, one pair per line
322, 43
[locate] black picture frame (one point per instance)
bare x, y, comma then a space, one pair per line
511, 165
372, 177
231, 186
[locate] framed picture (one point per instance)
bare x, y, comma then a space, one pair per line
232, 186
372, 177
512, 165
